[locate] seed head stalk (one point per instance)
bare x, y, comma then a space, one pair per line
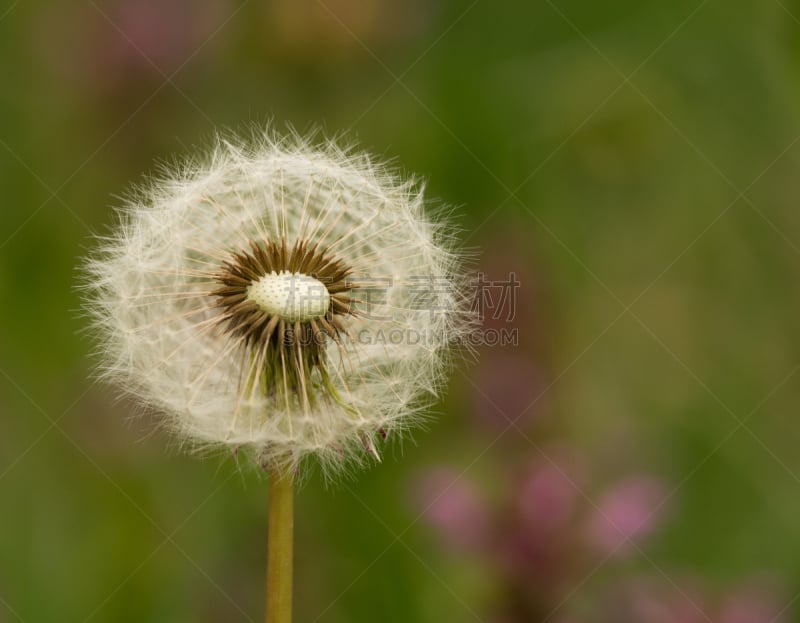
279, 546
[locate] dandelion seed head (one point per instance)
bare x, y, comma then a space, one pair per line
244, 296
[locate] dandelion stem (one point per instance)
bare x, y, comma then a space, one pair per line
279, 547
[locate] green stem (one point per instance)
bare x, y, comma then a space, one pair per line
279, 547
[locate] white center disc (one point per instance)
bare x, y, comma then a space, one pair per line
292, 296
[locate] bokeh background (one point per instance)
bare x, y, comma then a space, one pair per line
633, 163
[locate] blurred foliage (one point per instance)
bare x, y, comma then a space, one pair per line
634, 163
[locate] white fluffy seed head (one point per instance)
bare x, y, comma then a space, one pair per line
164, 337
292, 296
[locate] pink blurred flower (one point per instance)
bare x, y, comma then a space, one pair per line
645, 599
534, 538
313, 31
547, 499
509, 388
629, 511
751, 604
166, 32
453, 505
508, 258
122, 42
675, 609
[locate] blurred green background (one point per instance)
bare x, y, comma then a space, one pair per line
634, 164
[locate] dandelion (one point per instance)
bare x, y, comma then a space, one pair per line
248, 297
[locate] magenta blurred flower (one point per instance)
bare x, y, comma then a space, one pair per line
452, 504
751, 604
509, 388
672, 609
121, 42
547, 498
532, 541
316, 31
165, 32
534, 533
648, 600
629, 511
